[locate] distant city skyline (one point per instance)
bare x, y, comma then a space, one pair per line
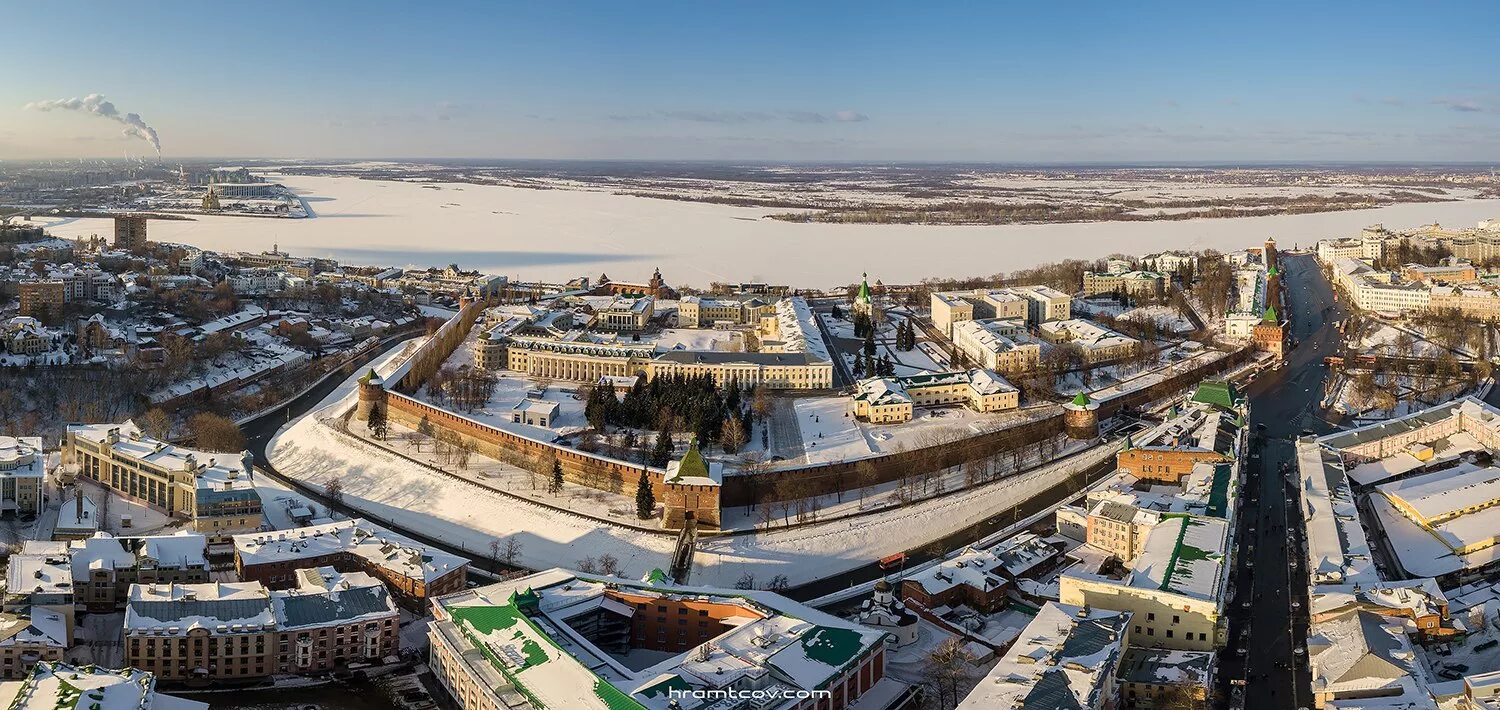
1090, 83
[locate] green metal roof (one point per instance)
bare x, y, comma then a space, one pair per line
1218, 493
864, 290
692, 464
1220, 393
1082, 400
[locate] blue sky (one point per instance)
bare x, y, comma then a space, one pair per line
1054, 82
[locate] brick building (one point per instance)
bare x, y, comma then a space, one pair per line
414, 571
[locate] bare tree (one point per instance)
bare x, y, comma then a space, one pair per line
156, 423
944, 671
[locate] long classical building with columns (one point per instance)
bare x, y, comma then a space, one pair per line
543, 344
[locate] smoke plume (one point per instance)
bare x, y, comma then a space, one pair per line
96, 105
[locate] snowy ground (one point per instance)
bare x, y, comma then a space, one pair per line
511, 388
830, 432
1167, 318
1413, 394
469, 518
559, 234
1386, 339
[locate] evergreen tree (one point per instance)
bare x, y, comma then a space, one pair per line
859, 367
645, 500
869, 343
555, 486
378, 424
662, 454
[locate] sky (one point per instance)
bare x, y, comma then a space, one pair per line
765, 80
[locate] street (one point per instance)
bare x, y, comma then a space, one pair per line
1268, 613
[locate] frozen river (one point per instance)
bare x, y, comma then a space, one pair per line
553, 235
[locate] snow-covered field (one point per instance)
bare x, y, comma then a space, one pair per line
558, 234
469, 517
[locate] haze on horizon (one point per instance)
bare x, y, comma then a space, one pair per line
774, 81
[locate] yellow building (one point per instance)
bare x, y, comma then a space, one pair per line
721, 311
214, 491
892, 400
1137, 284
1174, 589
1001, 345
1097, 342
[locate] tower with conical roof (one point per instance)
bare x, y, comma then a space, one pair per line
371, 395
1081, 417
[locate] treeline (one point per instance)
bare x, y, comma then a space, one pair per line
984, 212
677, 403
1404, 251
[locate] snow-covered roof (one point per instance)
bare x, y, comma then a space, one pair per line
376, 545
799, 328
881, 391
1162, 666
1337, 550
21, 457
521, 631
44, 574
1448, 494
36, 626
1184, 554
1084, 332
1361, 653
219, 606
979, 569
325, 596
60, 686
215, 471
1065, 658
1420, 596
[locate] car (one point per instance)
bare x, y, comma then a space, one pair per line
1486, 645
1296, 604
1459, 667
1450, 675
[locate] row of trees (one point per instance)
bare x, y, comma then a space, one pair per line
467, 388
687, 403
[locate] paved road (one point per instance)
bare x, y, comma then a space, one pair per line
1264, 626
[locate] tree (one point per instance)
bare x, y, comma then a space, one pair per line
746, 581
156, 423
779, 583
510, 551
944, 670
215, 432
732, 435
555, 486
645, 500
609, 564
661, 455
334, 490
377, 422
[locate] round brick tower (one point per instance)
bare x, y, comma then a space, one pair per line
371, 395
1081, 417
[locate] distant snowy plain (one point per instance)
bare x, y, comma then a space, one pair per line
553, 235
